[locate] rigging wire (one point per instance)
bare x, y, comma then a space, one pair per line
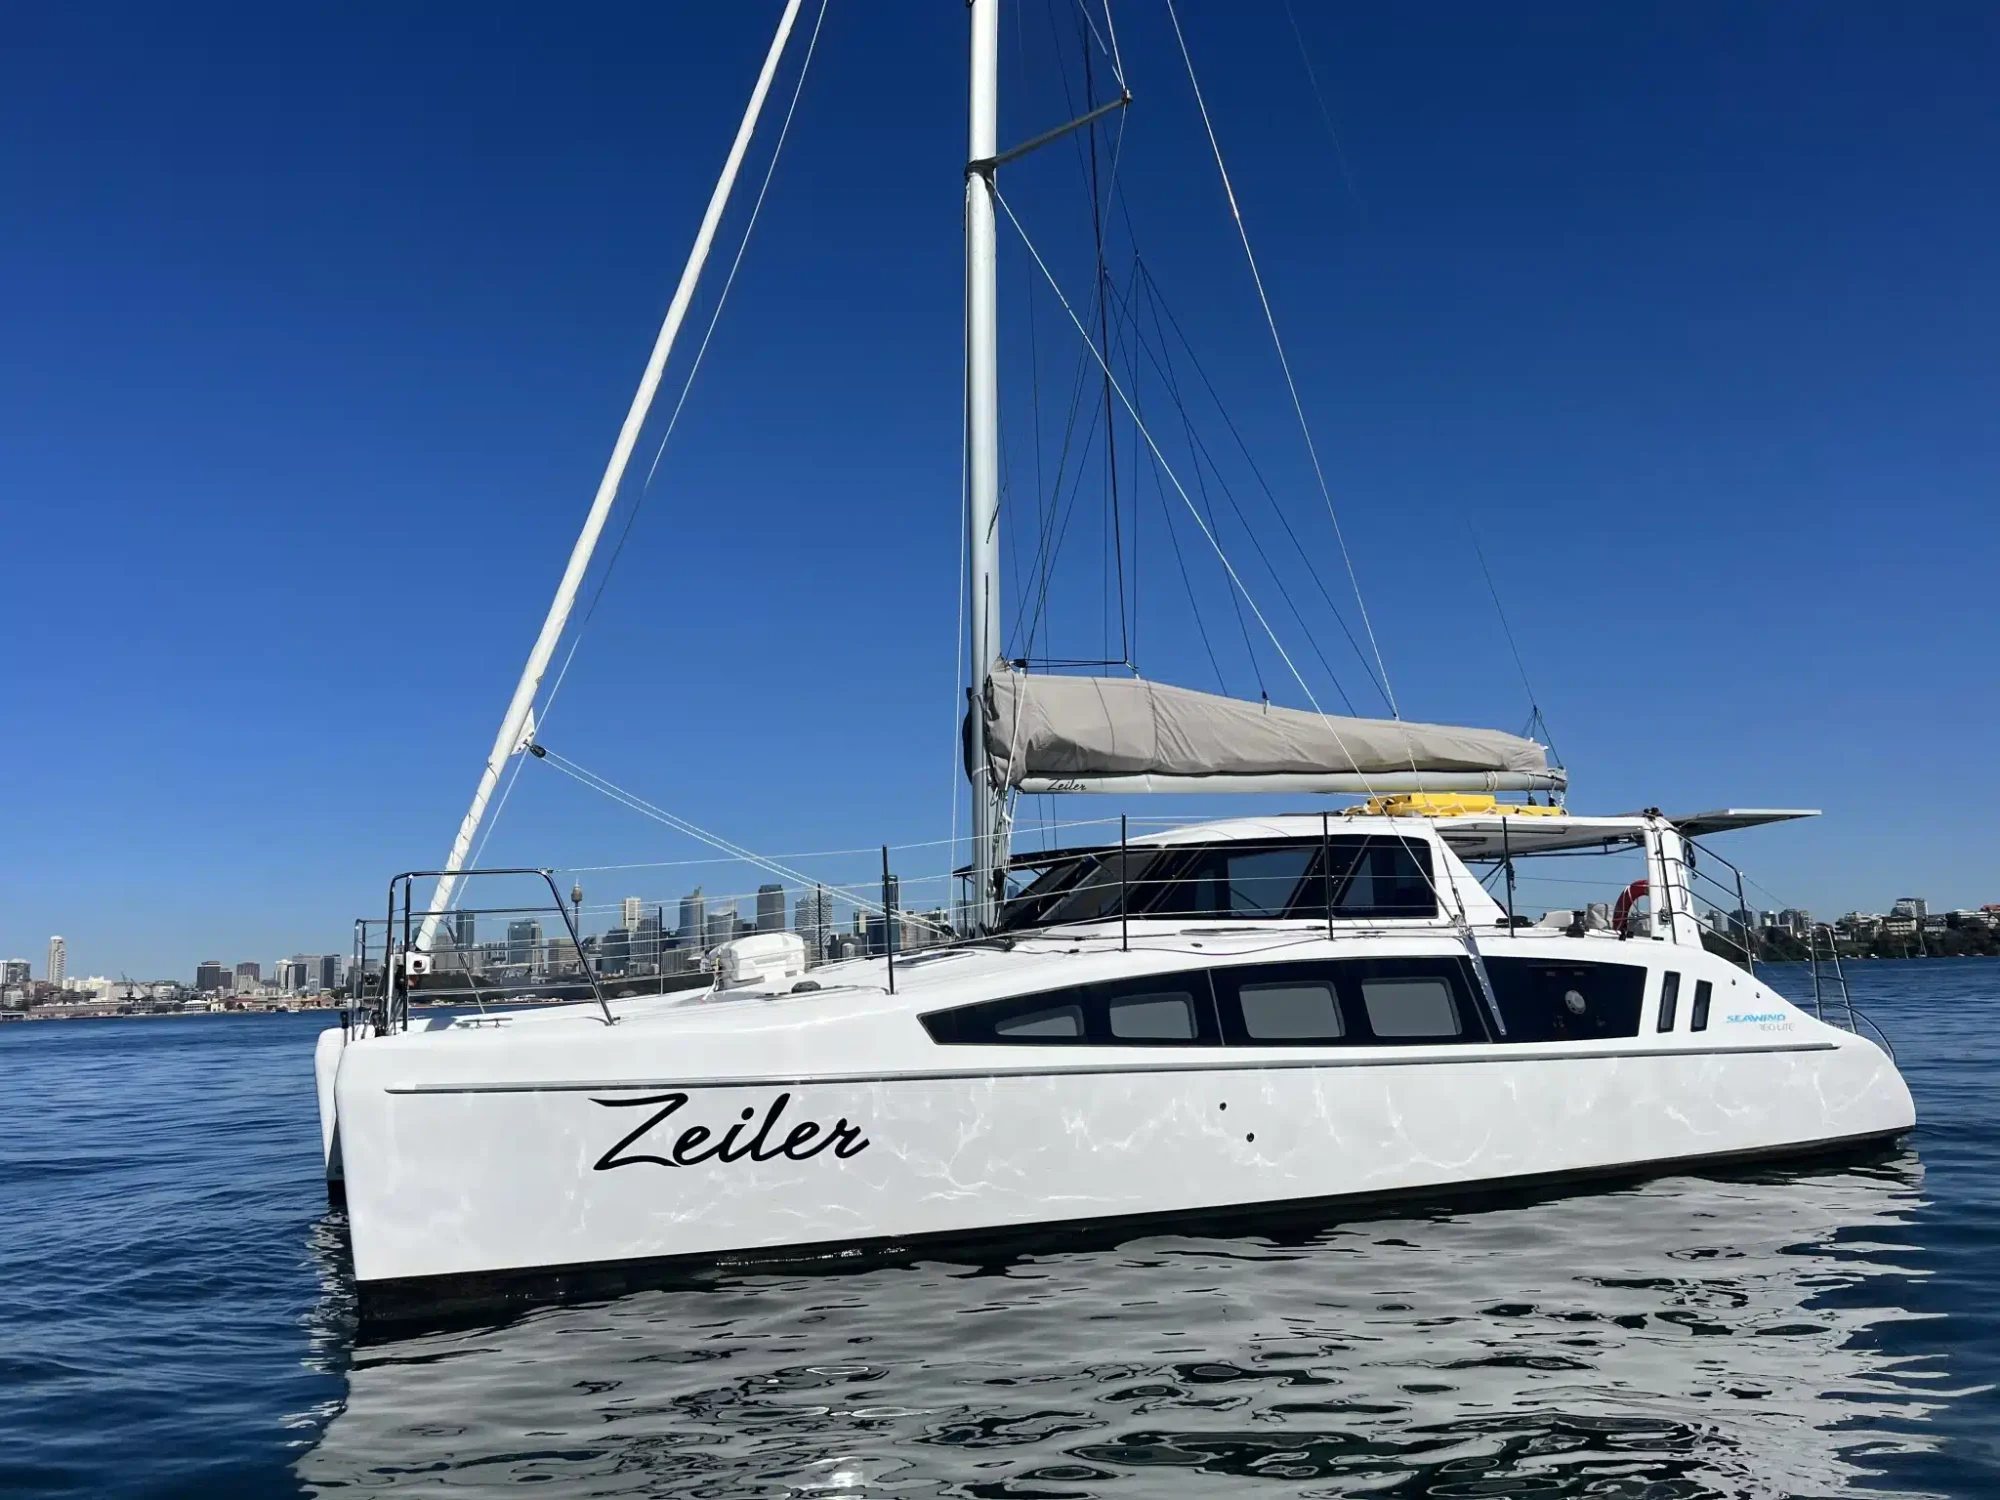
1198, 453
1166, 468
658, 814
1277, 343
1104, 341
1277, 645
1214, 542
1325, 114
1534, 704
632, 513
1054, 523
1156, 299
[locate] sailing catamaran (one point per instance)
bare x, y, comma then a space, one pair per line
1286, 1012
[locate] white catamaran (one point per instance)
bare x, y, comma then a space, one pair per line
1290, 1012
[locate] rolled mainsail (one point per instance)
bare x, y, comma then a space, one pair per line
1050, 733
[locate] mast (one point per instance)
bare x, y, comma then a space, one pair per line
517, 727
982, 441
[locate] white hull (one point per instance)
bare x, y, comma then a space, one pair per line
550, 1144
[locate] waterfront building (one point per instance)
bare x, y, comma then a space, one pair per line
647, 943
1915, 908
720, 926
812, 919
330, 972
210, 977
58, 961
770, 908
693, 927
253, 971
16, 971
614, 953
524, 944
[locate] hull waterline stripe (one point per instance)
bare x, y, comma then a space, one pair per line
937, 1075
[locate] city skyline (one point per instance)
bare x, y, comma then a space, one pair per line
811, 915
1677, 323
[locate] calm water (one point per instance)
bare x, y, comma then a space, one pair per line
173, 1320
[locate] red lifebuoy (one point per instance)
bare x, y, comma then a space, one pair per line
1626, 901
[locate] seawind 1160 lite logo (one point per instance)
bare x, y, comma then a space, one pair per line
696, 1144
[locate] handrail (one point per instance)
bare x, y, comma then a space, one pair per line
396, 980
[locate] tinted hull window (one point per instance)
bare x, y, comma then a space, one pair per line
1547, 1001
1298, 1011
1402, 1009
1169, 1010
1670, 994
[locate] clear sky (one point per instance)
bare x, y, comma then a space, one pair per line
317, 322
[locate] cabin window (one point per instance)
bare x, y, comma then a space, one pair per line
1152, 1018
1414, 1007
1381, 878
1147, 1012
1086, 889
1698, 1015
1297, 1011
1283, 1005
1543, 1000
1227, 880
1055, 1023
1670, 994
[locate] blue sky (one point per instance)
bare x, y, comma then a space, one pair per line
319, 321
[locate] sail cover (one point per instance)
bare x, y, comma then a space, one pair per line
1084, 727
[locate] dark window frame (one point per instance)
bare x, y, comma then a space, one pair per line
1704, 996
1530, 990
1229, 982
973, 1025
1454, 970
1670, 995
1155, 879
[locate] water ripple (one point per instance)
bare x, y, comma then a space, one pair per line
179, 1320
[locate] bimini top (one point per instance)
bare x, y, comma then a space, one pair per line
1126, 734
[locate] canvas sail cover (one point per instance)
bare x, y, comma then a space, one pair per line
1046, 726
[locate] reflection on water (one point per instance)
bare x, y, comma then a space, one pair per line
1687, 1337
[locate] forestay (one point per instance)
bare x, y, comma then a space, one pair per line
1049, 733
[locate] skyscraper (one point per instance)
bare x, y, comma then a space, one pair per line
16, 971
632, 909
58, 961
209, 976
770, 908
329, 972
812, 919
646, 943
464, 931
249, 975
720, 926
524, 943
693, 927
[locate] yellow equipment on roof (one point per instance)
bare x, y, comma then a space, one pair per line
1451, 805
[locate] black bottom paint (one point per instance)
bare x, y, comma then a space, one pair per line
398, 1306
